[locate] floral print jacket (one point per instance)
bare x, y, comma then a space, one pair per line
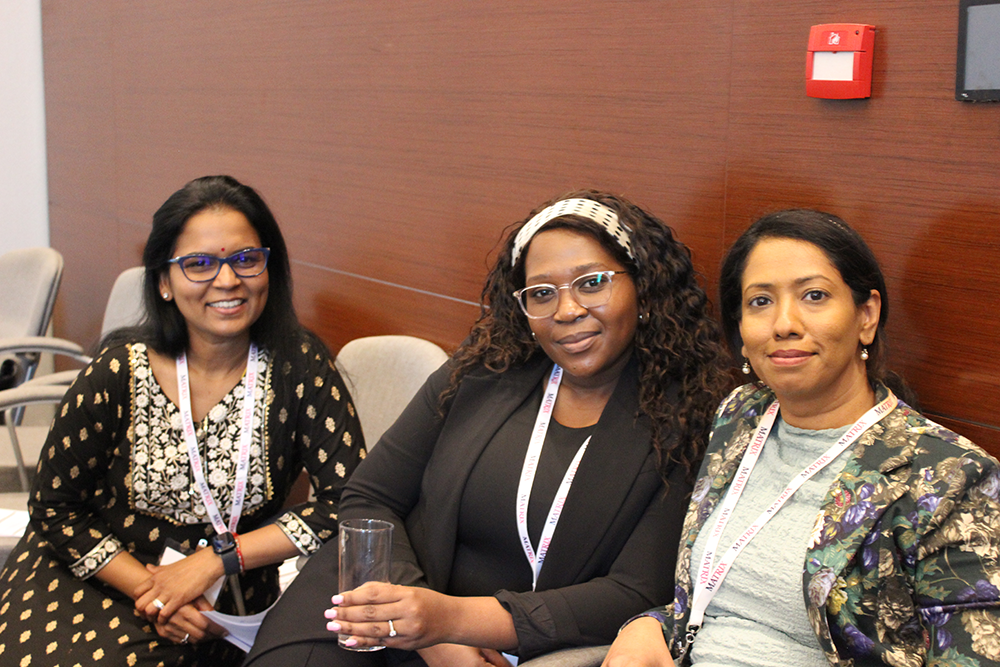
902, 568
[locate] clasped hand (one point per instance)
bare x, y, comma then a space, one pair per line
179, 588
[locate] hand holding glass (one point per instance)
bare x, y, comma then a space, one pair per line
365, 555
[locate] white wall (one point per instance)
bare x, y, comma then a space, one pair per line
24, 208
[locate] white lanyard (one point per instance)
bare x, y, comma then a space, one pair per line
535, 560
246, 436
710, 575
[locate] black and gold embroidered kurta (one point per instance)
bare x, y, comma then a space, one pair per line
114, 475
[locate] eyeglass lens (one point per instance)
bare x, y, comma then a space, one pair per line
245, 264
590, 290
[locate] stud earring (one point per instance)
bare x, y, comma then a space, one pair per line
864, 354
533, 336
746, 367
641, 318
166, 296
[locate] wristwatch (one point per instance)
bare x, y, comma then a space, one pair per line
225, 546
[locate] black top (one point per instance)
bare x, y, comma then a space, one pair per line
612, 555
488, 553
114, 475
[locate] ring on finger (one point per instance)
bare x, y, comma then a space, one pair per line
186, 638
392, 629
158, 604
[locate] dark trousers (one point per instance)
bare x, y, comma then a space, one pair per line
329, 654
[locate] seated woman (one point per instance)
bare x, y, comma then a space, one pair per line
190, 428
865, 533
593, 358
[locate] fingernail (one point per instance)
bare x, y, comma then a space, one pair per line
337, 599
333, 626
330, 613
351, 642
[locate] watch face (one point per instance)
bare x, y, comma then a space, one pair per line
223, 542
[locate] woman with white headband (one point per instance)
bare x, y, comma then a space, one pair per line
526, 479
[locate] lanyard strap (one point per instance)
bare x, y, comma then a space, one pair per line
710, 575
246, 435
528, 470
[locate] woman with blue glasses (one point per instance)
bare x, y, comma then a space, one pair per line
189, 431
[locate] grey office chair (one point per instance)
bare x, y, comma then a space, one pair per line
30, 281
587, 656
12, 399
383, 373
124, 308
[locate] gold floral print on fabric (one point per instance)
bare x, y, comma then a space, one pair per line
162, 483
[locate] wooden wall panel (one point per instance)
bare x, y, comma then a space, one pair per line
914, 170
395, 142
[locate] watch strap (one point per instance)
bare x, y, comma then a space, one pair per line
231, 561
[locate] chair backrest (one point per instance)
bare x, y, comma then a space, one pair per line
383, 374
30, 281
124, 307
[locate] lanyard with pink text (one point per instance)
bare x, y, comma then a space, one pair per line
535, 560
710, 574
246, 436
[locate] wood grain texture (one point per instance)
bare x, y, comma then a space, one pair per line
914, 171
396, 141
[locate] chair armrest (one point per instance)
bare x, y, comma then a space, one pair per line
30, 395
60, 378
35, 344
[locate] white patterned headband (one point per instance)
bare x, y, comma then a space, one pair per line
585, 208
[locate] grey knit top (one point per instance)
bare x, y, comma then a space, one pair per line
758, 615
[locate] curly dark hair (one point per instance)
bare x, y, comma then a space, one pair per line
677, 339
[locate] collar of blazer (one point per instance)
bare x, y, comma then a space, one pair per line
618, 450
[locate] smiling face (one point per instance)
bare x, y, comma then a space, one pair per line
592, 346
803, 333
223, 309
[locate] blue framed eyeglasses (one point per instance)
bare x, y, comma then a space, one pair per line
204, 268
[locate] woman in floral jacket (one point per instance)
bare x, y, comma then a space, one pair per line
900, 564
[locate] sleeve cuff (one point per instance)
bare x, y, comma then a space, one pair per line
97, 558
300, 534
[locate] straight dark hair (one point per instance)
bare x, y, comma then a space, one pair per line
845, 249
164, 328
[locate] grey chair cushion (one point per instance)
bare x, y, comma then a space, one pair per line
588, 656
383, 374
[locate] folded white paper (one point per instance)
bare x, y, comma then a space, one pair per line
13, 523
171, 555
242, 629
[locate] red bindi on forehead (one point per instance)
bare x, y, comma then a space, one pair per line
223, 250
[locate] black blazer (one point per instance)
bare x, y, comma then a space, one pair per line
612, 554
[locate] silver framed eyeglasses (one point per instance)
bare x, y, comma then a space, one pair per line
204, 268
589, 290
